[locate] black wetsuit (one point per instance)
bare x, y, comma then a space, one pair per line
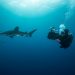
65, 40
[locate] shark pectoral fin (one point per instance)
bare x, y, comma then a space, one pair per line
30, 35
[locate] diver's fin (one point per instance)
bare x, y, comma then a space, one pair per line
30, 33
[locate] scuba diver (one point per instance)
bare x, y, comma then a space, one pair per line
64, 37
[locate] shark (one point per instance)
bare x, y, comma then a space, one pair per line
16, 32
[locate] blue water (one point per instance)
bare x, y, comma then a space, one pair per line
36, 55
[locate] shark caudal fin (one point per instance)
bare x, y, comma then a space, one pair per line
30, 33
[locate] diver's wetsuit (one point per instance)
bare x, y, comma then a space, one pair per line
65, 40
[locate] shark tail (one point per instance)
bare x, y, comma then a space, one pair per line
30, 33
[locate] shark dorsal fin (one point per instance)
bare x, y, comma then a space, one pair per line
16, 28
